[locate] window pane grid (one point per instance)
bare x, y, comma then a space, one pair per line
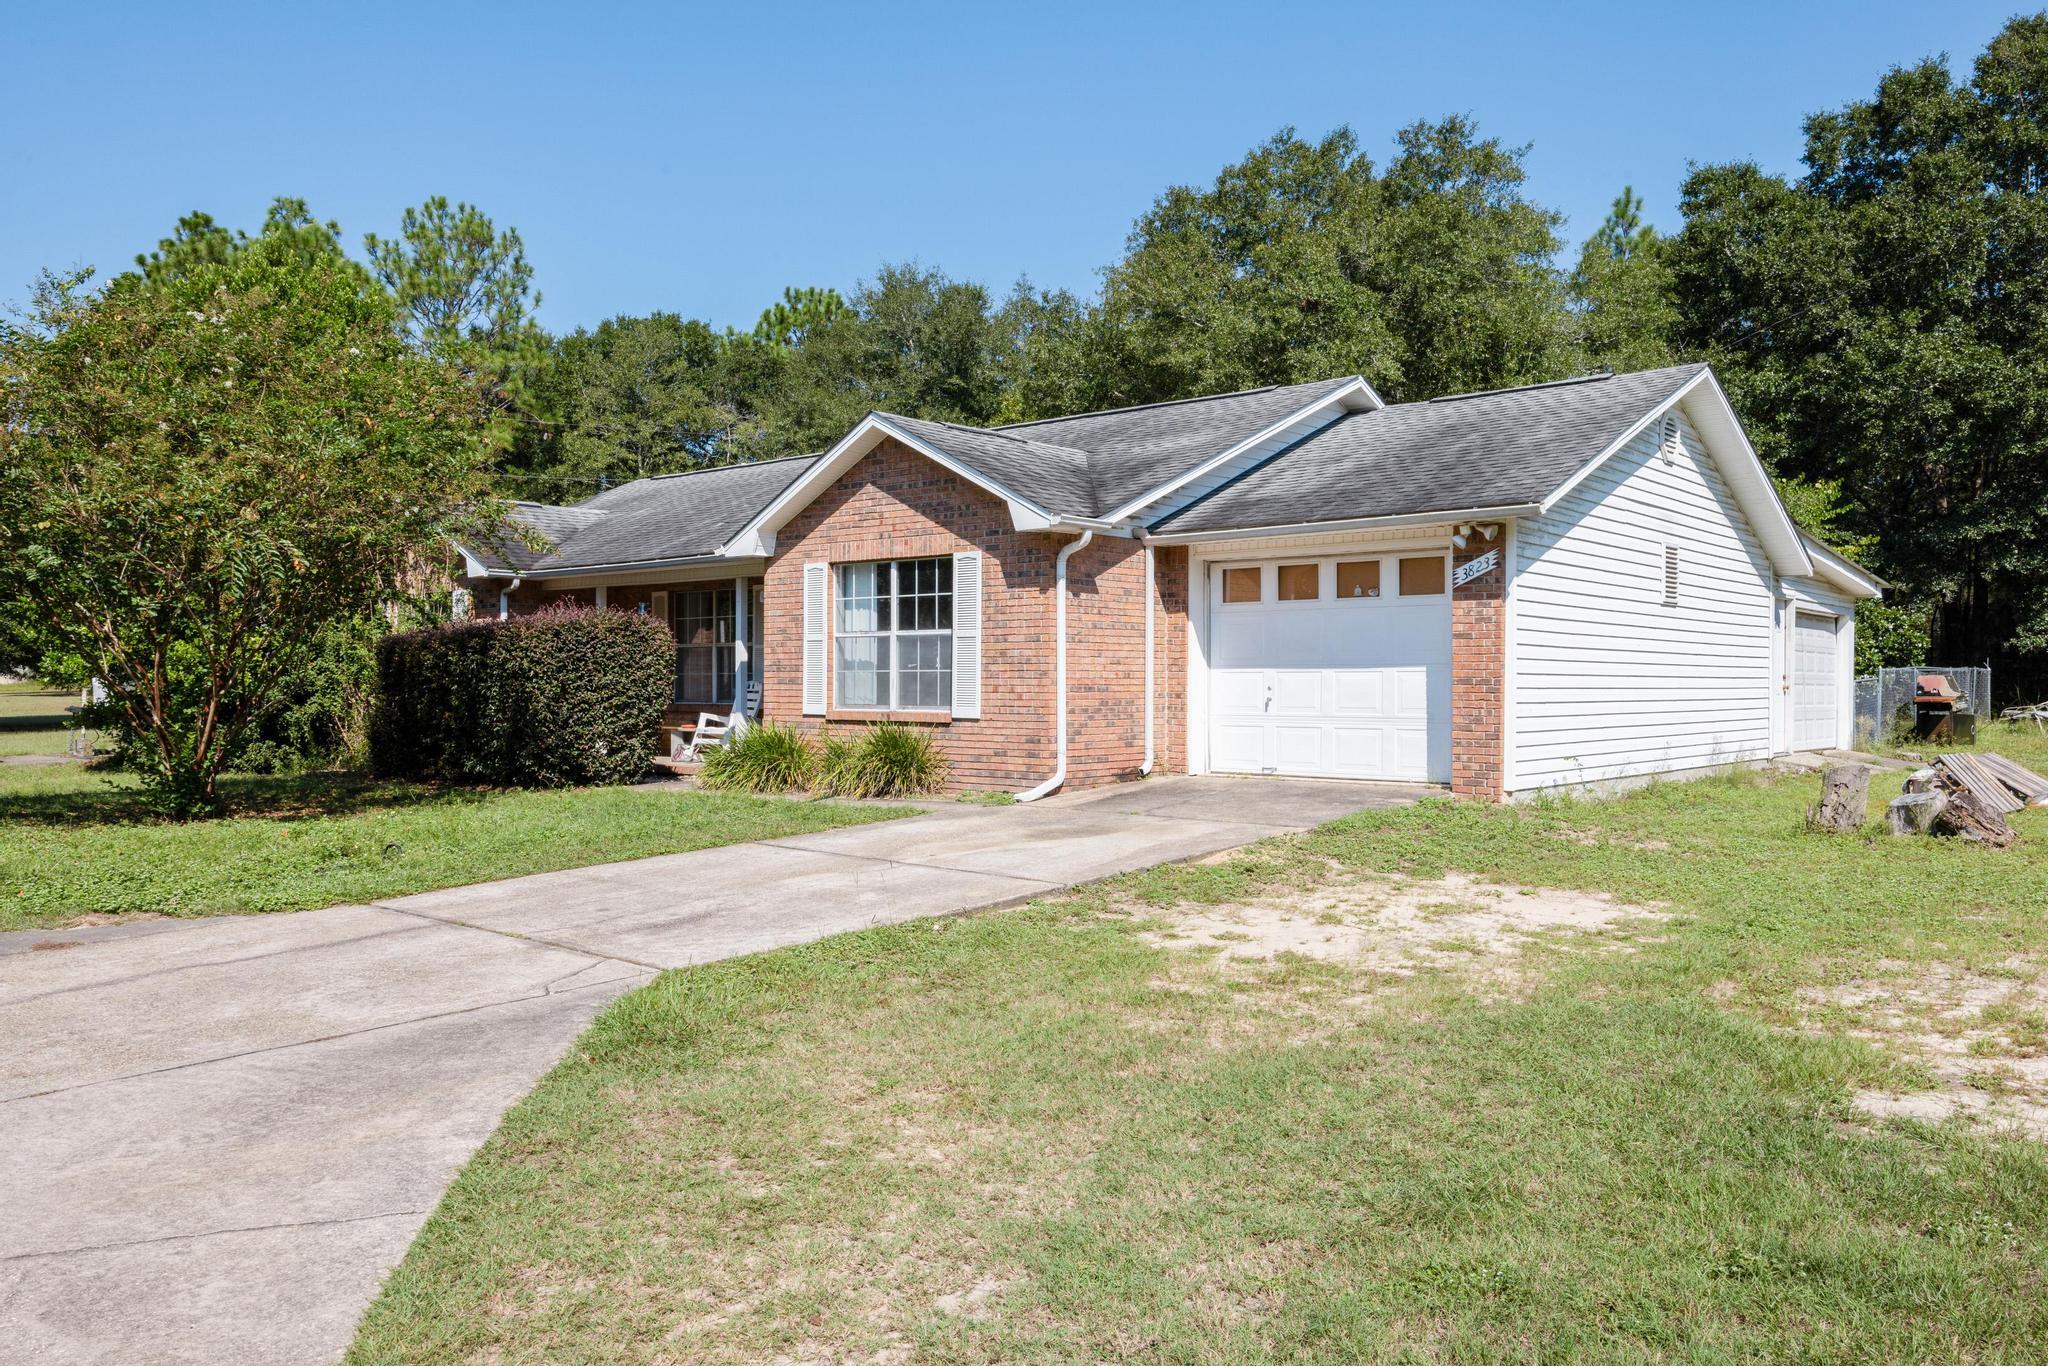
894, 641
702, 619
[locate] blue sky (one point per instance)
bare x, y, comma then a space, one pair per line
698, 158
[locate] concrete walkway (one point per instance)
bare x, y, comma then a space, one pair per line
218, 1136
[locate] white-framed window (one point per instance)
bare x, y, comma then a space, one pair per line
892, 638
702, 619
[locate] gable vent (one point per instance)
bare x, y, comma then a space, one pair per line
1669, 443
1671, 576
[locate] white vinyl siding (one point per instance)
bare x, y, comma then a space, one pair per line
1608, 681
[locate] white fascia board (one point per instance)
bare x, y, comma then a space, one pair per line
1358, 396
1844, 574
474, 568
867, 434
1505, 512
1706, 403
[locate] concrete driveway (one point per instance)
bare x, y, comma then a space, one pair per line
218, 1136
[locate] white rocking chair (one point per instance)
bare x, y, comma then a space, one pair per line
713, 728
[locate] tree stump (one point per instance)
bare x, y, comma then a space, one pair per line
1844, 798
1914, 813
1964, 817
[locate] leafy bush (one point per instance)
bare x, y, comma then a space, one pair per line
325, 716
568, 695
764, 757
888, 760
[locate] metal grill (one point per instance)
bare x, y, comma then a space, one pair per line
1884, 701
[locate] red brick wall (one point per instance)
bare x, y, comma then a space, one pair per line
1105, 661
1478, 675
895, 504
1170, 659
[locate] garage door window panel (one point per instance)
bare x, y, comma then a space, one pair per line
1358, 580
1241, 585
1422, 576
1300, 582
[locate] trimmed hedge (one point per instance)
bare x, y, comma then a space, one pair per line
566, 696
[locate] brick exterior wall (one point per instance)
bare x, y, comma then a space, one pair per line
895, 504
1478, 675
1170, 659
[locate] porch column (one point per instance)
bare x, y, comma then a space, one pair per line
742, 666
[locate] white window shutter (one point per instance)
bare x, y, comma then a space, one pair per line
967, 635
817, 591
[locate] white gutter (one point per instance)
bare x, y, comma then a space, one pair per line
505, 597
1059, 636
1145, 770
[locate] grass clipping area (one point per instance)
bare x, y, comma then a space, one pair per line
1316, 1100
78, 846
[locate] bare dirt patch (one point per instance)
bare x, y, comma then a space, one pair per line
1396, 925
1983, 1035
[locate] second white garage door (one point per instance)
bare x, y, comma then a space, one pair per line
1327, 668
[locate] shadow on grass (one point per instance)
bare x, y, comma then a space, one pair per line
298, 796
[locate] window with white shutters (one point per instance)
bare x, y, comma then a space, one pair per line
892, 637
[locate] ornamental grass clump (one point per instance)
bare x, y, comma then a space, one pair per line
765, 757
888, 760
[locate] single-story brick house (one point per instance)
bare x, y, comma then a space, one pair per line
1565, 584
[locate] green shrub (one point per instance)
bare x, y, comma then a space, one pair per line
325, 716
764, 757
566, 696
888, 760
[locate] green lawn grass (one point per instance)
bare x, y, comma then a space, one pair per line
78, 843
1048, 1135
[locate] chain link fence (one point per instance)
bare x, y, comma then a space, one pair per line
1884, 701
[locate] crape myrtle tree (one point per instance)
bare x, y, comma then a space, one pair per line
1882, 322
199, 473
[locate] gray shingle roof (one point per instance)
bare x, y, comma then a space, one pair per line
1508, 447
1514, 446
1057, 478
667, 517
1095, 463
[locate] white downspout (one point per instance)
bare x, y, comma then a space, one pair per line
505, 598
1059, 666
1145, 770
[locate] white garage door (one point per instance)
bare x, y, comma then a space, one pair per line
1816, 680
1326, 668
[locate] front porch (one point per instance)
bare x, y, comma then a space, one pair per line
715, 615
